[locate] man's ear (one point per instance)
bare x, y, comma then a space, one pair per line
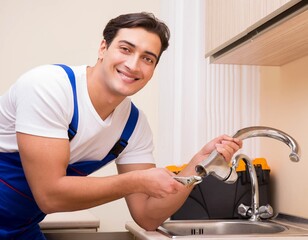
102, 49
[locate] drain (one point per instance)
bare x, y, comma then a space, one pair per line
196, 231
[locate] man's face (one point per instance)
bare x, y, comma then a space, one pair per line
129, 62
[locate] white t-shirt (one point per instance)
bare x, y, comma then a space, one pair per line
41, 103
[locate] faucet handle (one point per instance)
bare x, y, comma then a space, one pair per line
266, 211
244, 210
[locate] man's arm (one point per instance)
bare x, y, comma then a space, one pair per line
151, 193
148, 211
45, 161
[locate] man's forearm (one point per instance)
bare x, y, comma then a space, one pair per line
157, 210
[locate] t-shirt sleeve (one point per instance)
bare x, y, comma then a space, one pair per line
43, 101
140, 145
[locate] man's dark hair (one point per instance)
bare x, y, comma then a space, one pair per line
133, 20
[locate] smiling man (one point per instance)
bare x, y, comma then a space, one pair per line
58, 124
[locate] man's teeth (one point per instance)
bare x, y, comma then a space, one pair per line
127, 77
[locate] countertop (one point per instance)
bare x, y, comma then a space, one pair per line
70, 220
90, 236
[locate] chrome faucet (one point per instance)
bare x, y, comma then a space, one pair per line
255, 212
216, 165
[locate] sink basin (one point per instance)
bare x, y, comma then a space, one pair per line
184, 228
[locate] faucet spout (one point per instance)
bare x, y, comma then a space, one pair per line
261, 131
216, 165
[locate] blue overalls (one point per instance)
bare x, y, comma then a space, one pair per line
19, 213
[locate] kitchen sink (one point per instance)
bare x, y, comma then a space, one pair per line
195, 228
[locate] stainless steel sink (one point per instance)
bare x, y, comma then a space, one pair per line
195, 228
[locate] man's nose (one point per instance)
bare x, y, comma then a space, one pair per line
133, 63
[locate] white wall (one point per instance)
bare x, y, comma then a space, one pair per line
35, 32
284, 97
199, 101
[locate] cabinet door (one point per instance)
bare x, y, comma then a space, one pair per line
226, 19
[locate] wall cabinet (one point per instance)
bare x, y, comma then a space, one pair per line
266, 32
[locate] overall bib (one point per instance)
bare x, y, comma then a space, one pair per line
19, 213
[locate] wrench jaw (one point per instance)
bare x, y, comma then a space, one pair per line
189, 181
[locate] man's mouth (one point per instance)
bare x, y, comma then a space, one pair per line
127, 77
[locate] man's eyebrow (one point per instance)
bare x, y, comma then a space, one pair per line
134, 46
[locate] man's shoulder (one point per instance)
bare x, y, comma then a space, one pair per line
46, 77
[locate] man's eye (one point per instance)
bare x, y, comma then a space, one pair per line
125, 49
148, 60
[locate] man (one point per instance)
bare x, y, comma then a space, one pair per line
58, 124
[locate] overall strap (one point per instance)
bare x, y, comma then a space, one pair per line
85, 168
74, 123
